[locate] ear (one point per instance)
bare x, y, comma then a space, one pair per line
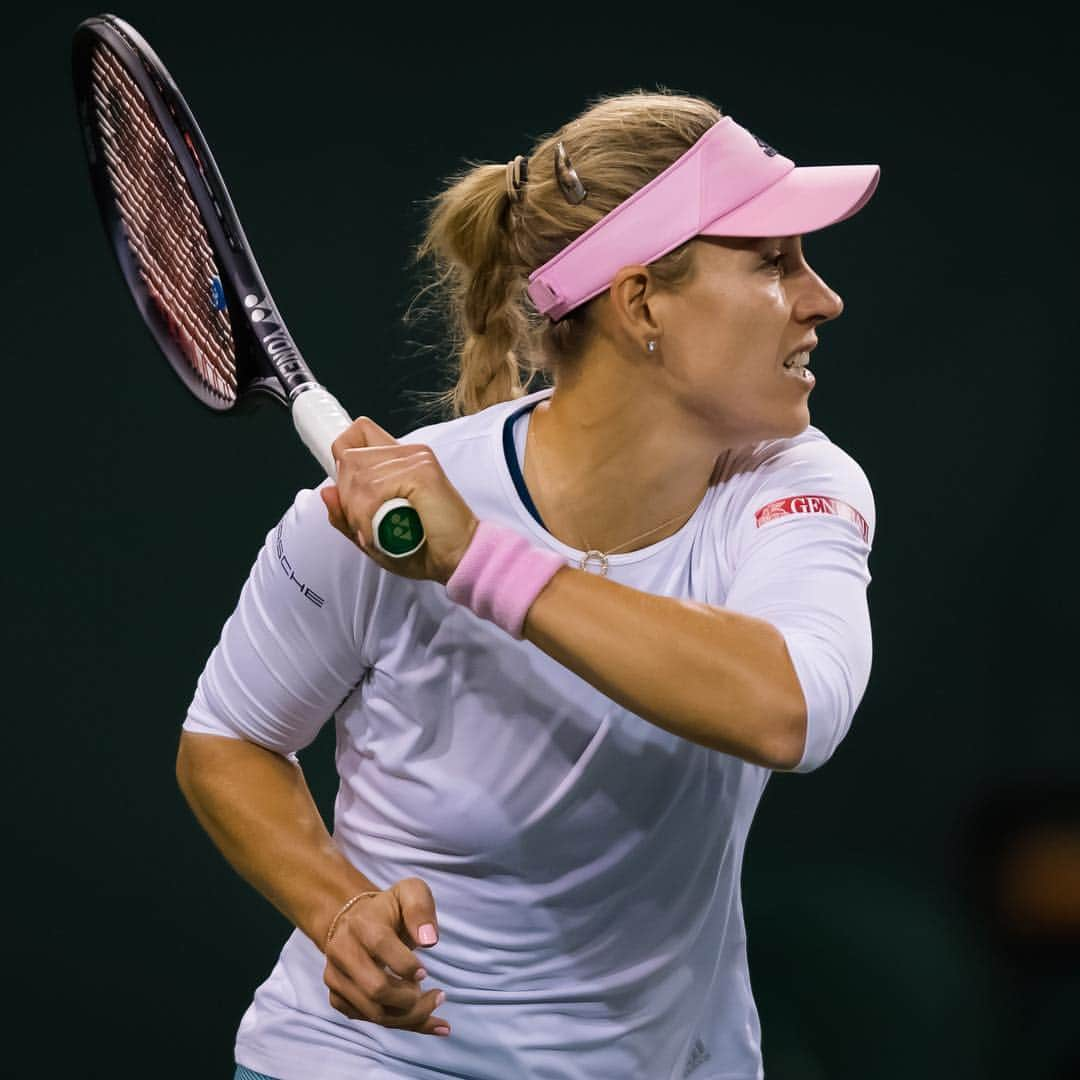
634, 310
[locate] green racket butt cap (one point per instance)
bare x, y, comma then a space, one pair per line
397, 528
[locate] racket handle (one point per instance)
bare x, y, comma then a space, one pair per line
320, 419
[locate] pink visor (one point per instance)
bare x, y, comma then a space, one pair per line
729, 183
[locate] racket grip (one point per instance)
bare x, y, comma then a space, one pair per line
320, 419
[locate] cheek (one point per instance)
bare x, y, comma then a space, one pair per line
726, 333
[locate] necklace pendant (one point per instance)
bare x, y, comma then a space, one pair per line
600, 557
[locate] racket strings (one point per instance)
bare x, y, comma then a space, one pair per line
163, 226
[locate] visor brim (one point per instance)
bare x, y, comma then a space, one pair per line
808, 198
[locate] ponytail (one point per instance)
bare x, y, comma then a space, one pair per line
486, 232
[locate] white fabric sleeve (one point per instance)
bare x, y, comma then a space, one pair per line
799, 553
290, 653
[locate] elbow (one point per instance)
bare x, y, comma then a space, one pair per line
789, 740
200, 754
788, 706
180, 761
183, 763
797, 744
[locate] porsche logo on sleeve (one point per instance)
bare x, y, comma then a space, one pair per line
811, 504
287, 567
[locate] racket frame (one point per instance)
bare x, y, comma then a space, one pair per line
267, 360
275, 369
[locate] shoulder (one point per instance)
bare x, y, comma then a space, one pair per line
306, 562
811, 453
446, 435
783, 481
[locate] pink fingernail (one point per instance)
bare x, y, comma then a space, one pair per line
440, 997
426, 934
441, 1030
421, 974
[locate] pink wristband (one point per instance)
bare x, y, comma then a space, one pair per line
500, 576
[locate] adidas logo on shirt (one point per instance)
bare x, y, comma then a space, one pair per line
698, 1056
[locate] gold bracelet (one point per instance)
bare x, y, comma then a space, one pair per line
345, 907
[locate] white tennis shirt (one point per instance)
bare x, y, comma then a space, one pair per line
585, 863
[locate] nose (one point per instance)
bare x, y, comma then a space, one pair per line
817, 302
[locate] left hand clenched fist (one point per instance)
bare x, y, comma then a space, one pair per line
374, 467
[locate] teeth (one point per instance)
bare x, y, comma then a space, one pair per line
798, 360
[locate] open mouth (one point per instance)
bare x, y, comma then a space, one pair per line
797, 365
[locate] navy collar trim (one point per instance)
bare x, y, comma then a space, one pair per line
510, 451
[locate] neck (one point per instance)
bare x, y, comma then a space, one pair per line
601, 462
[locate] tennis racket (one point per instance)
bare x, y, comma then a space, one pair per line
184, 256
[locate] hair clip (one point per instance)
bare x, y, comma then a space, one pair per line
517, 173
573, 189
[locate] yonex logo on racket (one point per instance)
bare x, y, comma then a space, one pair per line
277, 343
259, 309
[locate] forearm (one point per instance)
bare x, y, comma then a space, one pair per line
258, 810
713, 676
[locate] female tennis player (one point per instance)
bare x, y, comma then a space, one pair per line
642, 591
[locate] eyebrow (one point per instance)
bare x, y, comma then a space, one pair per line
754, 243
750, 243
794, 240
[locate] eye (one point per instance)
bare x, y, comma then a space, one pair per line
775, 260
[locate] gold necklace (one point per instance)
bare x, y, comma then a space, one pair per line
591, 553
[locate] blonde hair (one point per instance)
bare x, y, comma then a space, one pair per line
483, 243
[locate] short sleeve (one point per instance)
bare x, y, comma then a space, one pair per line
798, 552
290, 652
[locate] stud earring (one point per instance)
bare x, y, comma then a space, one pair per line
651, 346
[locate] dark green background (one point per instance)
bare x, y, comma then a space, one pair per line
134, 516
